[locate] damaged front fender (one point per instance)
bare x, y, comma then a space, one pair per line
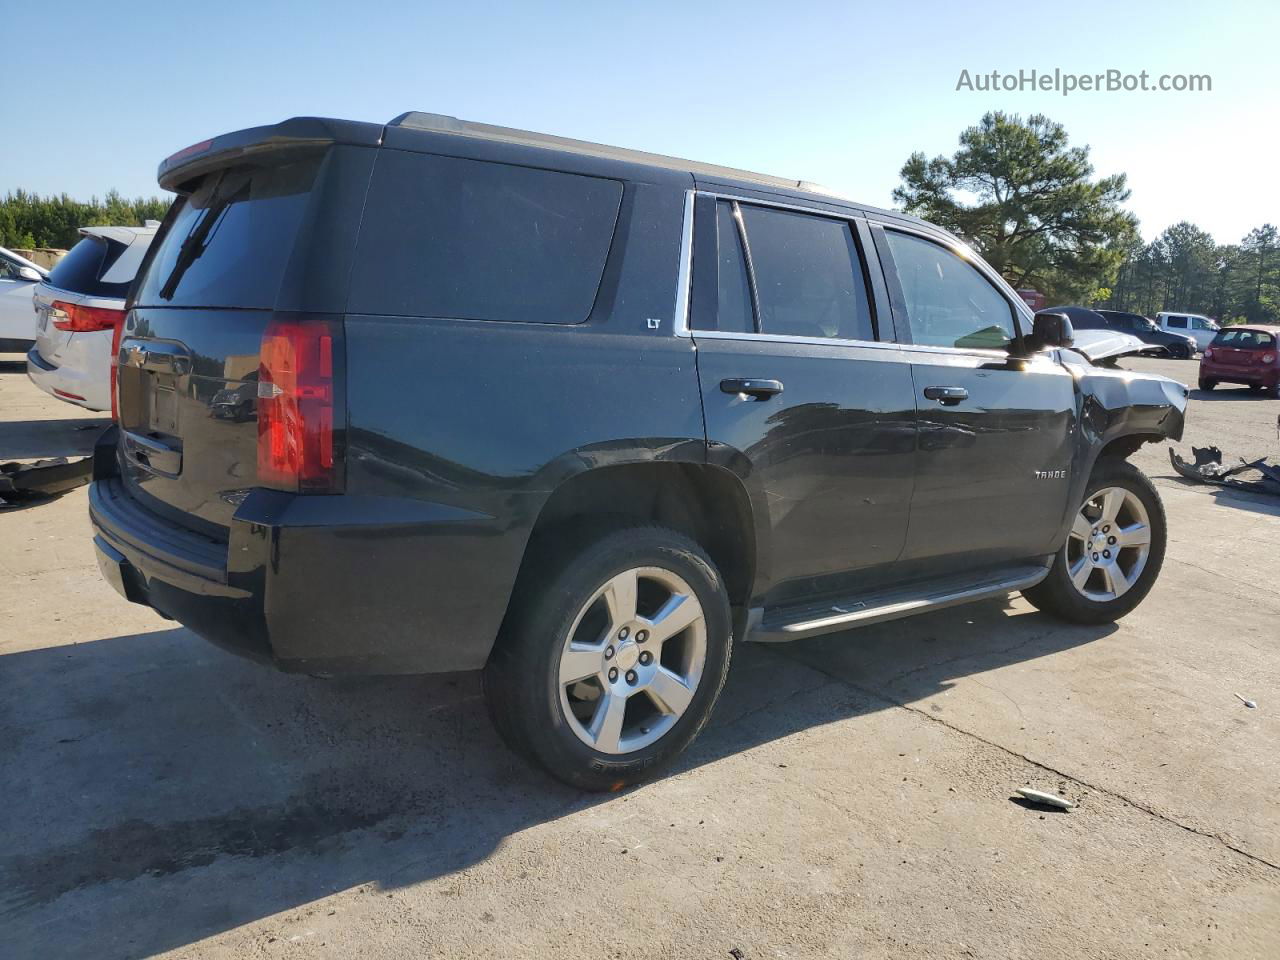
1119, 411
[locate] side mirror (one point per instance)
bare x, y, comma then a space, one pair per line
1051, 329
29, 273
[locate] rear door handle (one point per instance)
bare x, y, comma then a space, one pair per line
947, 396
756, 389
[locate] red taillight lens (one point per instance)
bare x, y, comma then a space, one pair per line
116, 332
1208, 353
75, 318
296, 407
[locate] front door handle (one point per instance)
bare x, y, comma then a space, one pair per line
756, 389
947, 396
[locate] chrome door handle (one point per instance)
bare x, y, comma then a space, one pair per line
947, 396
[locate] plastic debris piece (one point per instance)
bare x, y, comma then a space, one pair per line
1248, 703
1209, 468
1047, 799
43, 478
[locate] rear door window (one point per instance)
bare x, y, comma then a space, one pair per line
808, 275
469, 239
1178, 322
228, 243
949, 303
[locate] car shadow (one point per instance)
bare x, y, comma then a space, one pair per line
159, 791
14, 365
38, 439
1225, 392
1263, 503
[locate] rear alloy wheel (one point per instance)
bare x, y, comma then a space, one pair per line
628, 671
1114, 550
610, 663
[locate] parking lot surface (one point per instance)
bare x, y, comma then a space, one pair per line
852, 796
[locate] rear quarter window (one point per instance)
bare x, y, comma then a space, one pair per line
476, 240
88, 269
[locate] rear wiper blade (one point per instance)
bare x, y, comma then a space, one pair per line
195, 244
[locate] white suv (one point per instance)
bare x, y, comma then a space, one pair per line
79, 310
18, 279
1201, 329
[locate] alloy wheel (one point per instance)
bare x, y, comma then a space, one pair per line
632, 661
1109, 544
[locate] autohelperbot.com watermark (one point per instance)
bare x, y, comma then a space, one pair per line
1066, 83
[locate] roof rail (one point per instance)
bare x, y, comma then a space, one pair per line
440, 123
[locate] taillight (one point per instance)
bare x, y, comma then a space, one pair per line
1268, 358
1208, 353
116, 332
76, 318
296, 400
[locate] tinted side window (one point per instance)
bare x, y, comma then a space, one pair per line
1179, 322
468, 239
808, 275
949, 303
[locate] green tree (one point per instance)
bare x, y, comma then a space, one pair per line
29, 220
1261, 269
1025, 199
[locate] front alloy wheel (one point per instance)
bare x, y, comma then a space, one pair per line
1113, 552
1109, 544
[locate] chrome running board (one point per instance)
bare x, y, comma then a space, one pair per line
829, 616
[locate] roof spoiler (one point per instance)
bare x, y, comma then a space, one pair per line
293, 134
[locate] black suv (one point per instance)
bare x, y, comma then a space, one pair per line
1163, 342
583, 417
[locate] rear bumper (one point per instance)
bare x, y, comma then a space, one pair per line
1235, 373
314, 584
85, 388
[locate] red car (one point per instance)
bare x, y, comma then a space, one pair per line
1243, 354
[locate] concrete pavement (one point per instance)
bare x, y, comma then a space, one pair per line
851, 798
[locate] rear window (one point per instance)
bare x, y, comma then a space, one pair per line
470, 239
88, 269
1244, 339
229, 242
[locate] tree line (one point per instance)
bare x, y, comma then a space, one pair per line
1184, 269
28, 220
1023, 197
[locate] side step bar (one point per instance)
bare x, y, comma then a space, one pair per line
830, 616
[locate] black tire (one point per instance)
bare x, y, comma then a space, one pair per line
1057, 595
1208, 384
521, 680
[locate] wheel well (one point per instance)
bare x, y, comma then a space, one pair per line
1122, 448
707, 504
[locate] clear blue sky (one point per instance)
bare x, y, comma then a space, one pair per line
839, 93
